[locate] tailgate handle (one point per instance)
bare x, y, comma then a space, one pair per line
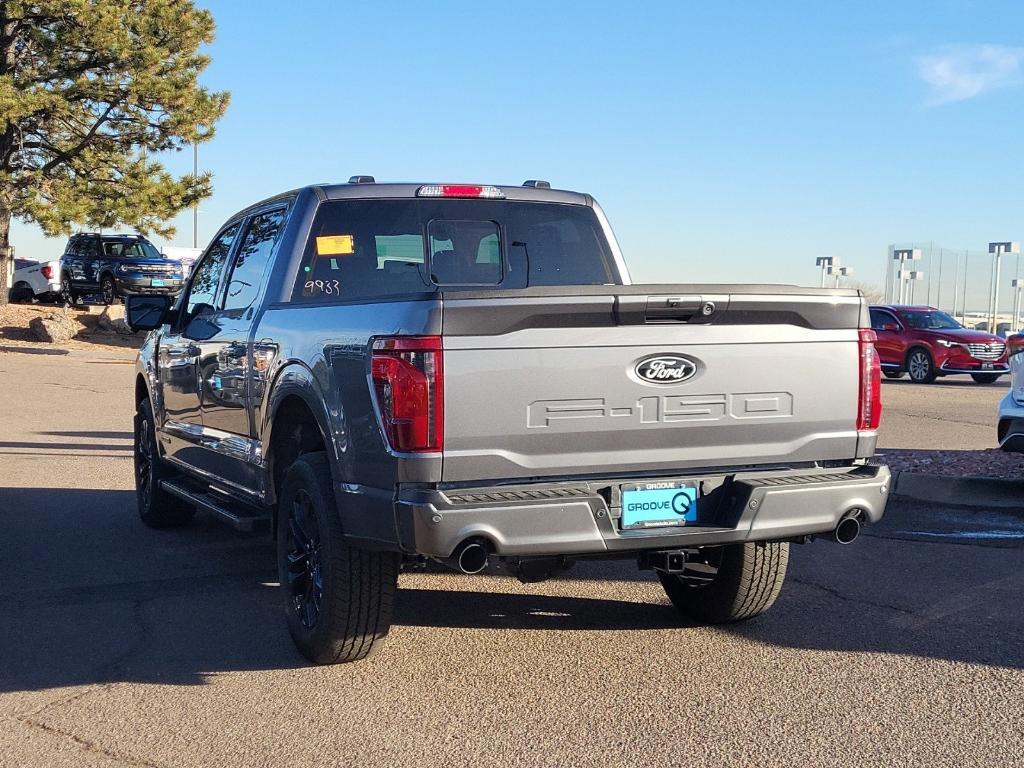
683, 309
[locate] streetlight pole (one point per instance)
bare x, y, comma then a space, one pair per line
195, 206
998, 249
839, 272
825, 263
956, 279
904, 255
1017, 285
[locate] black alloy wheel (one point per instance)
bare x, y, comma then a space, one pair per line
157, 507
305, 571
144, 463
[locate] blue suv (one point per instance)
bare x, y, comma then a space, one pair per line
116, 266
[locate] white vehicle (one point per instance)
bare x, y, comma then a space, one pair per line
35, 280
1010, 429
185, 256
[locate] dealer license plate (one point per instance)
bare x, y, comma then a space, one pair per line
157, 283
987, 366
655, 505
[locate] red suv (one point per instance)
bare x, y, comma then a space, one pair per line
925, 342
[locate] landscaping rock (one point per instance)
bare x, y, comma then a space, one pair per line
112, 320
53, 328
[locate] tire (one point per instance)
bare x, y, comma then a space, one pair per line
985, 378
21, 293
920, 366
157, 508
893, 374
736, 582
338, 598
108, 289
67, 295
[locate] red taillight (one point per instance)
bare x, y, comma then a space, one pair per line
408, 380
1014, 344
47, 272
869, 411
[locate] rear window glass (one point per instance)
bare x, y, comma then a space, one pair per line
361, 249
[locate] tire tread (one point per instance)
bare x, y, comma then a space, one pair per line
749, 581
359, 598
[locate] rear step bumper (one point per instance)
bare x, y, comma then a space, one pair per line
583, 518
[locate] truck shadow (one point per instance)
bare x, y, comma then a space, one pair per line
90, 596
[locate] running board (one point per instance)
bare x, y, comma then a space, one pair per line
237, 515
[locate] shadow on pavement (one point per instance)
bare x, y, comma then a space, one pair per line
88, 595
109, 434
31, 350
1003, 382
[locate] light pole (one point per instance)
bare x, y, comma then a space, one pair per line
997, 250
825, 263
1017, 284
839, 272
910, 277
903, 255
195, 206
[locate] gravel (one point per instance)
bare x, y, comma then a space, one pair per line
15, 331
990, 462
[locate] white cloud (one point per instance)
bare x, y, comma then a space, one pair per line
962, 72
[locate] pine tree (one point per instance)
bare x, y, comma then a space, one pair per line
91, 92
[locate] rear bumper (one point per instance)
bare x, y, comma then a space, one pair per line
1010, 431
583, 518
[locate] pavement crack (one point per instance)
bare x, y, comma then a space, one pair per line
860, 600
911, 538
86, 744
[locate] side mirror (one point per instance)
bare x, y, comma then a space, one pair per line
891, 327
144, 313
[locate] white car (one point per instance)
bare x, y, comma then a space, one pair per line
35, 280
185, 256
1010, 429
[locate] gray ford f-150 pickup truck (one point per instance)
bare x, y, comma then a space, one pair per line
386, 373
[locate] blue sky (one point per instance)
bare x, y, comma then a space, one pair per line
726, 141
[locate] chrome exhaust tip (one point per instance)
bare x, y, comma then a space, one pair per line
847, 531
469, 557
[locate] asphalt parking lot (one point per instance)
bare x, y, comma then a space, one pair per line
951, 413
125, 646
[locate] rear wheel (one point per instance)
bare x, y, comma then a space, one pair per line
157, 508
21, 292
338, 598
893, 374
920, 366
985, 378
729, 583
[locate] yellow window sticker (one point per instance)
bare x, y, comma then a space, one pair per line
335, 245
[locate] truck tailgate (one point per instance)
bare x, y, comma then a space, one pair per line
614, 380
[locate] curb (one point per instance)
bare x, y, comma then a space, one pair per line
970, 492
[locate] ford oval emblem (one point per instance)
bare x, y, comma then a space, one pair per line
665, 369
